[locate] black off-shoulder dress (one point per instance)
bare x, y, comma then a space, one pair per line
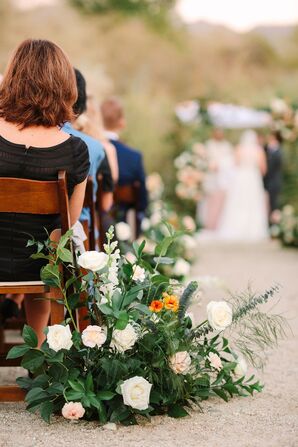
15, 229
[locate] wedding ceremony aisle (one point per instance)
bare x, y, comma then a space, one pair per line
268, 419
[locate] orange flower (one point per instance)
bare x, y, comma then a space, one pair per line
156, 306
171, 302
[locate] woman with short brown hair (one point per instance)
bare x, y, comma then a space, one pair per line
37, 93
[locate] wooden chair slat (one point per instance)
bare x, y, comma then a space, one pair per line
32, 197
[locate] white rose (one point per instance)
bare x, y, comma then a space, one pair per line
139, 273
59, 337
181, 268
93, 336
180, 362
219, 315
136, 392
123, 231
241, 368
93, 260
215, 361
130, 257
145, 225
122, 340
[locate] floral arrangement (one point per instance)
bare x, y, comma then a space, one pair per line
191, 167
285, 226
141, 353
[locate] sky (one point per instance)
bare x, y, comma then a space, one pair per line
240, 15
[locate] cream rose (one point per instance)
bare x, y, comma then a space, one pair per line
59, 337
130, 257
73, 410
123, 231
180, 362
93, 260
122, 340
136, 392
241, 368
139, 274
215, 361
219, 315
181, 268
93, 336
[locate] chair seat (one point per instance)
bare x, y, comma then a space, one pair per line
23, 287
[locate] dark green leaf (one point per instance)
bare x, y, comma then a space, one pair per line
177, 411
17, 351
50, 275
36, 394
65, 255
106, 309
29, 336
221, 393
24, 382
105, 395
32, 360
74, 395
46, 409
122, 320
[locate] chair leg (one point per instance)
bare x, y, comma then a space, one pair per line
57, 309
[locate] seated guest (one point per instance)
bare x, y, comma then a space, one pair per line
94, 127
95, 149
37, 94
90, 123
130, 161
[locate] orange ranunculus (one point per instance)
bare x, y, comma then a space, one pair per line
171, 302
156, 306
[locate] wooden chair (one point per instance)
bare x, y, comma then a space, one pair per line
32, 197
129, 195
100, 212
90, 227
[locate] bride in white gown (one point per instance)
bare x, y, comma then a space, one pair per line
244, 216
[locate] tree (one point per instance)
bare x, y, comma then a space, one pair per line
155, 11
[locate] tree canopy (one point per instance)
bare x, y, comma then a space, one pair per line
155, 11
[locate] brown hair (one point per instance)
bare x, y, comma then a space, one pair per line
39, 86
112, 112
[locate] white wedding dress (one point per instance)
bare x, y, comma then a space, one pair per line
244, 216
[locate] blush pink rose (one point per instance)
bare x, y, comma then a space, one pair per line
73, 410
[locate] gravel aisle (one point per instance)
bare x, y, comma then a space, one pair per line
268, 419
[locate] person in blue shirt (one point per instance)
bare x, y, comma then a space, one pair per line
95, 148
130, 160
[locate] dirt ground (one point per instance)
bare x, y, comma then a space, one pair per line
268, 419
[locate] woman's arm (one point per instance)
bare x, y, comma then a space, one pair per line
112, 157
76, 201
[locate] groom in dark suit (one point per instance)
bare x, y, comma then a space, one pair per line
130, 161
273, 176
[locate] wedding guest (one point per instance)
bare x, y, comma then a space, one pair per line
37, 94
130, 161
94, 127
220, 158
95, 148
273, 177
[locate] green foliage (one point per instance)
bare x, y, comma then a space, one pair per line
153, 10
94, 376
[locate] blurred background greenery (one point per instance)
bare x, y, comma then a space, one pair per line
143, 52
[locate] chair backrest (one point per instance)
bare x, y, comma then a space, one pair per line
36, 197
127, 194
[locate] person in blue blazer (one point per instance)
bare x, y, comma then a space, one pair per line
130, 160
